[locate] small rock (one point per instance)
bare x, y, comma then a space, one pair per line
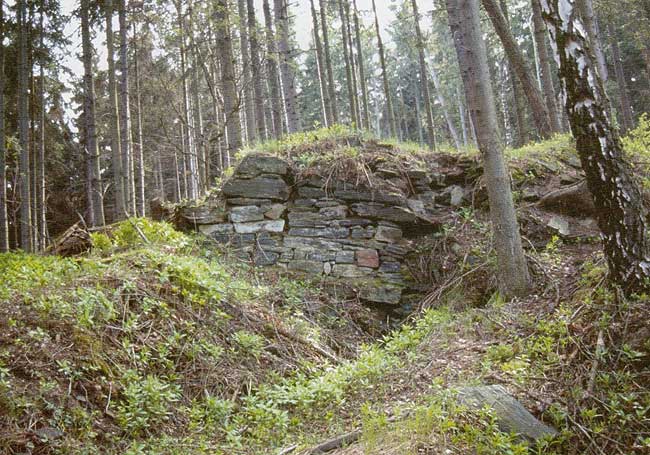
560, 224
327, 268
275, 211
345, 257
457, 194
367, 258
388, 234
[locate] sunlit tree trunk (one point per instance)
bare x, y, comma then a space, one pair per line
384, 76
328, 62
521, 68
472, 56
443, 105
353, 65
540, 33
322, 73
113, 119
461, 114
348, 65
621, 214
23, 130
362, 70
424, 80
272, 72
139, 146
92, 150
198, 158
125, 112
40, 198
4, 221
281, 11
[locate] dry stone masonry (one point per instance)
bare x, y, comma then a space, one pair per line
330, 228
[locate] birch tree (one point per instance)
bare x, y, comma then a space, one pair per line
621, 214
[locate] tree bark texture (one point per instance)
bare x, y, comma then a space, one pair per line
424, 80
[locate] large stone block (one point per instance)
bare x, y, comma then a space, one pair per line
265, 258
306, 219
246, 213
399, 215
211, 212
311, 244
255, 164
381, 294
274, 211
344, 257
354, 195
211, 229
308, 192
259, 226
350, 271
326, 232
263, 187
335, 212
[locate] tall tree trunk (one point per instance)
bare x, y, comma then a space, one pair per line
199, 158
472, 57
362, 70
92, 150
353, 65
424, 80
40, 199
328, 62
322, 74
23, 130
281, 8
443, 105
4, 220
247, 77
256, 66
348, 65
517, 95
523, 72
624, 95
125, 112
113, 119
272, 72
384, 76
546, 76
229, 88
590, 22
621, 214
189, 158
461, 114
139, 149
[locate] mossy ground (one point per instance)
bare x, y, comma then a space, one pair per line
165, 346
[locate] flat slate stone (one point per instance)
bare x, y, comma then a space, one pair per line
210, 229
313, 267
264, 187
259, 226
309, 243
399, 215
265, 258
208, 213
368, 196
256, 164
381, 294
367, 258
326, 232
511, 416
274, 211
246, 213
350, 271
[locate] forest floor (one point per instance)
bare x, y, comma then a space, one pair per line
168, 346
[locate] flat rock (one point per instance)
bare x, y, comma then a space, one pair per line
246, 213
256, 164
313, 267
381, 294
367, 258
388, 234
350, 271
210, 229
510, 413
326, 232
263, 187
344, 257
208, 213
398, 215
259, 226
274, 211
369, 196
309, 243
265, 258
